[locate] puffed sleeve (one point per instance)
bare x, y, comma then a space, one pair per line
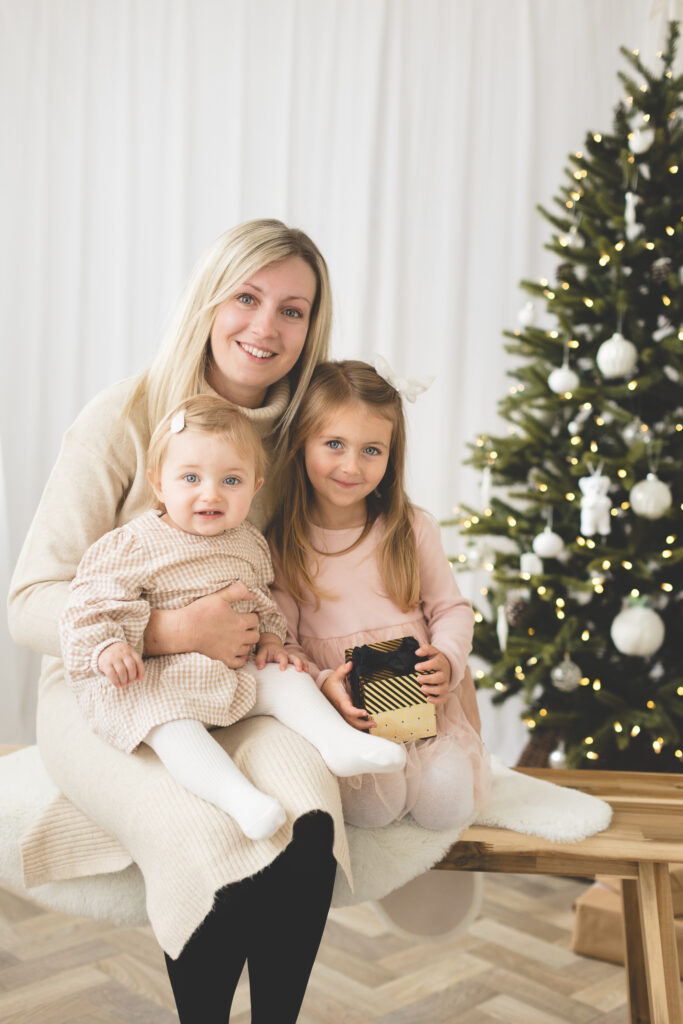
105, 602
84, 492
290, 609
449, 615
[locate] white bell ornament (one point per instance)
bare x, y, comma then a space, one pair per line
548, 544
563, 379
616, 357
637, 631
650, 498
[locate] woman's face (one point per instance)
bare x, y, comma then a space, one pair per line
258, 333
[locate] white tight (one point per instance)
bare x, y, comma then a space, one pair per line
199, 763
445, 799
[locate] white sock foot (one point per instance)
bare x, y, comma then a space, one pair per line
198, 762
293, 698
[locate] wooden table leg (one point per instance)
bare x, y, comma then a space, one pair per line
659, 942
636, 975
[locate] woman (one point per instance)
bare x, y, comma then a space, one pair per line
253, 323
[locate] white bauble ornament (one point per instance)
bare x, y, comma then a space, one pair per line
616, 357
557, 758
566, 676
637, 631
527, 315
640, 140
563, 379
547, 544
650, 498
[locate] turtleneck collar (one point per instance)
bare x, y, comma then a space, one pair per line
277, 400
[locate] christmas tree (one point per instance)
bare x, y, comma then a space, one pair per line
579, 524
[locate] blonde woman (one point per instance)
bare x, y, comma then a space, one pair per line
252, 325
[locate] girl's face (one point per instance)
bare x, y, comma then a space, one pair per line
346, 459
206, 485
259, 332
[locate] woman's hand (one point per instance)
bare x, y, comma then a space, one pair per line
121, 664
435, 686
209, 626
334, 688
270, 648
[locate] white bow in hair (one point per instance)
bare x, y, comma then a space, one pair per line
178, 422
407, 387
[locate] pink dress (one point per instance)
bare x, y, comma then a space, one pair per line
357, 611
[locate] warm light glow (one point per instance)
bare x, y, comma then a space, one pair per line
671, 538
618, 727
584, 681
588, 740
597, 137
635, 730
594, 446
619, 246
606, 564
668, 587
585, 635
541, 590
670, 231
627, 565
588, 302
667, 553
478, 617
543, 712
621, 473
559, 602
666, 300
597, 685
590, 543
632, 385
591, 755
673, 169
570, 496
649, 245
604, 260
651, 705
512, 521
635, 592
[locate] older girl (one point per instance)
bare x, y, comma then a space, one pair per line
356, 563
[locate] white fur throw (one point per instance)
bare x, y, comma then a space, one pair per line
382, 859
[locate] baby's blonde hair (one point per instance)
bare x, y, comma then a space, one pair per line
209, 414
335, 385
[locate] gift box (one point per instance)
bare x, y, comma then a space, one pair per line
599, 924
383, 681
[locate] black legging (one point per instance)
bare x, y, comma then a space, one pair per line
274, 921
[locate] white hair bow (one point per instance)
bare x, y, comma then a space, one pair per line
407, 387
178, 422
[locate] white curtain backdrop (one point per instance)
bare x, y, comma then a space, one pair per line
410, 138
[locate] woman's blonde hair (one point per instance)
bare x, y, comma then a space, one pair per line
180, 368
207, 414
333, 385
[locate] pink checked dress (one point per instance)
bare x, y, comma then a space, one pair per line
359, 612
148, 564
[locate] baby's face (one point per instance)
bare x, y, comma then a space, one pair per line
206, 485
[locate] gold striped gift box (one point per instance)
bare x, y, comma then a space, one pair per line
394, 701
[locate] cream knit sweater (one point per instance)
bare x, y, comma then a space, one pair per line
120, 807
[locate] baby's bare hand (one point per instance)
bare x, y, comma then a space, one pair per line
121, 664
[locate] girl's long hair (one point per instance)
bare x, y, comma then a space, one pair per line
333, 385
180, 368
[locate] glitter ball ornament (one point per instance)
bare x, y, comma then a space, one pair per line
566, 676
547, 544
616, 357
637, 631
515, 610
563, 379
650, 498
557, 758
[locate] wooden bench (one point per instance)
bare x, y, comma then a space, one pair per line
645, 835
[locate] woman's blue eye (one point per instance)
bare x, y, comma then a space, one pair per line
191, 478
293, 314
245, 298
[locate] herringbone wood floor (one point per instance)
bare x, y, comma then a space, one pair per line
513, 966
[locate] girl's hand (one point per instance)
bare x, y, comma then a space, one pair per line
209, 626
121, 664
334, 688
435, 686
270, 648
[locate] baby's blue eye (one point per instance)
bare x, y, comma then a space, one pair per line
191, 478
231, 481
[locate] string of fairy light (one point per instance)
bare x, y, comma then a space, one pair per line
601, 573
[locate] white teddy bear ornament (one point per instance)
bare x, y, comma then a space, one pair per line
595, 504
